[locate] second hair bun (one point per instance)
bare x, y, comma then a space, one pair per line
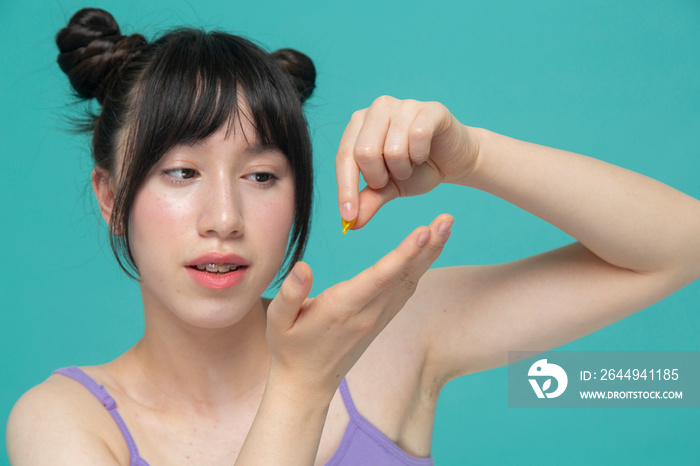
300, 68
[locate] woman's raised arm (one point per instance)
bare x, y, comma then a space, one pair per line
638, 239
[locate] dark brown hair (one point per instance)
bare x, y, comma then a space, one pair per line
181, 88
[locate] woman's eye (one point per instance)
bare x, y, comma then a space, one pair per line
262, 178
181, 173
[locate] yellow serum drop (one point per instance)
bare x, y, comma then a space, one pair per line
347, 225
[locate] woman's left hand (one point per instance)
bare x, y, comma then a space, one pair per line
401, 148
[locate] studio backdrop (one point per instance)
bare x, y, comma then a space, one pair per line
613, 80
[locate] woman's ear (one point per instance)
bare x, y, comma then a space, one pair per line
103, 185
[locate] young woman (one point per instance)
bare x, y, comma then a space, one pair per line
203, 174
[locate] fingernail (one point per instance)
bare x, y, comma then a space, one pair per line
446, 237
445, 226
347, 211
298, 275
347, 225
423, 238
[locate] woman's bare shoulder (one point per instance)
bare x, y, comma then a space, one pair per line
60, 422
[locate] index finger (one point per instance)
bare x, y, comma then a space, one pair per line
347, 172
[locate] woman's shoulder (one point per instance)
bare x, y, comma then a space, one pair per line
60, 422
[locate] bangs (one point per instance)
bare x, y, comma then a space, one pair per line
201, 82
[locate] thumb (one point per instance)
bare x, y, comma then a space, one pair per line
371, 200
286, 306
424, 178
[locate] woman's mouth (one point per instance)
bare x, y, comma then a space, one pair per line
216, 268
217, 275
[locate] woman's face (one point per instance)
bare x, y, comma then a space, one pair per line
209, 227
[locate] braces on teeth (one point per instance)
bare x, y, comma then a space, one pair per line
220, 268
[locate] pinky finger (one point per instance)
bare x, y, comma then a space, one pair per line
425, 126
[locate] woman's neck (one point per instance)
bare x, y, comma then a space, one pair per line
209, 368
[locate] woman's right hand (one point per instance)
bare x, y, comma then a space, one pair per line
315, 341
401, 148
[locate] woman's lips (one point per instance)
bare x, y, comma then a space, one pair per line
216, 280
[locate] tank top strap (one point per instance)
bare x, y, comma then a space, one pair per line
363, 443
100, 392
347, 399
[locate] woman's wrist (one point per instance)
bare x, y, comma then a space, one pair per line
307, 392
469, 170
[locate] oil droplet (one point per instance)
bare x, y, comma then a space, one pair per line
347, 225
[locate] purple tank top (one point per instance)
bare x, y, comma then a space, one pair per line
362, 443
101, 394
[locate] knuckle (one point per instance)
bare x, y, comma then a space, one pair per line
440, 108
377, 180
383, 100
406, 277
394, 152
365, 152
381, 282
420, 132
435, 107
441, 111
434, 248
286, 296
409, 283
401, 174
358, 115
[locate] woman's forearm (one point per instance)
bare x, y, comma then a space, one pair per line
625, 218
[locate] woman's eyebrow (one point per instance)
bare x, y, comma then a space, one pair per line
259, 148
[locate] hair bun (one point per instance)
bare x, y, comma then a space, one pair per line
93, 51
300, 68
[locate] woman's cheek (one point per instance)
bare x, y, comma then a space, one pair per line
155, 217
274, 218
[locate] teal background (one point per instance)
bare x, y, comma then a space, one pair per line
616, 80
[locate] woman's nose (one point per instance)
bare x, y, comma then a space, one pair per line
221, 210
